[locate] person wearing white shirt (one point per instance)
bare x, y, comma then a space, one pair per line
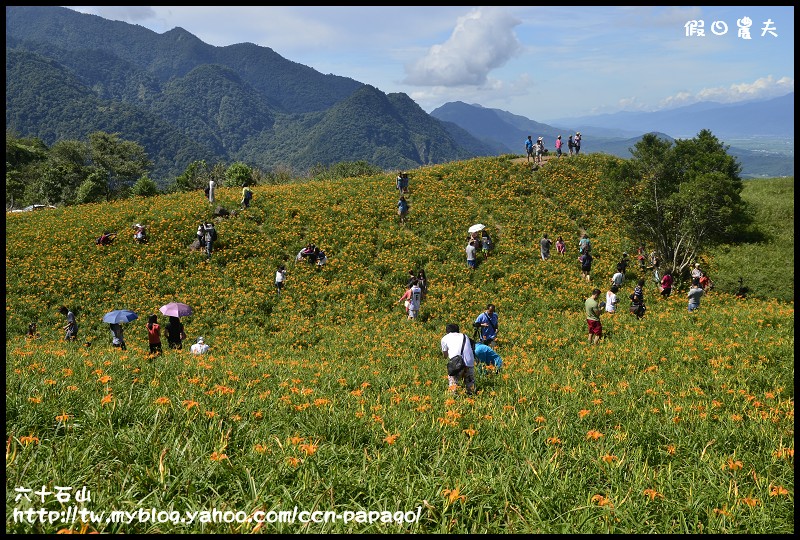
455, 343
212, 187
617, 279
471, 254
612, 300
280, 278
200, 347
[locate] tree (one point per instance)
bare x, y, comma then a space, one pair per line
93, 189
67, 167
682, 198
238, 174
144, 187
195, 176
24, 158
123, 162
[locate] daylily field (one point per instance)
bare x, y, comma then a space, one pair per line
329, 399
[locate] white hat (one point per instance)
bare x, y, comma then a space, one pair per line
697, 264
200, 340
577, 133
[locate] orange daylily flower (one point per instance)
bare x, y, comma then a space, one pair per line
453, 495
390, 439
28, 439
649, 492
774, 491
218, 456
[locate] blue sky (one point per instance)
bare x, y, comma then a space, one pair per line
543, 62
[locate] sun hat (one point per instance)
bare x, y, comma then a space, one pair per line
200, 340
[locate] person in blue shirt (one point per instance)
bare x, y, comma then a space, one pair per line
487, 323
487, 357
402, 209
529, 148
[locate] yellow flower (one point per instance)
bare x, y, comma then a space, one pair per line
162, 401
216, 456
106, 399
63, 417
609, 458
594, 434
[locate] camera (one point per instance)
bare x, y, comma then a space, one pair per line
476, 325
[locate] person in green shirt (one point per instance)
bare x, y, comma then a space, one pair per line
593, 310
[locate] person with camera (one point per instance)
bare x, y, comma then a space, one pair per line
486, 325
593, 311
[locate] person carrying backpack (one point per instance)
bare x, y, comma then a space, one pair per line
457, 348
247, 196
209, 237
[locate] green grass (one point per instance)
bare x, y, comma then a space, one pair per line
766, 264
329, 399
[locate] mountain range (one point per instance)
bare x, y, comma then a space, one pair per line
69, 74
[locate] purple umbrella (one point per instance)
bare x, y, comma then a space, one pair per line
176, 309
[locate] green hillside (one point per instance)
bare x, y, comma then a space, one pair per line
327, 398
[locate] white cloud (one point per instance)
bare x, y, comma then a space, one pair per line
763, 88
482, 40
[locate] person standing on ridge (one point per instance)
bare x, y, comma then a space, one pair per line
529, 148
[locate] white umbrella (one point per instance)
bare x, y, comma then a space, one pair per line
477, 227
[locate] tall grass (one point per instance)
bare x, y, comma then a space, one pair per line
328, 398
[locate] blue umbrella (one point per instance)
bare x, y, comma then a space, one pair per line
119, 316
